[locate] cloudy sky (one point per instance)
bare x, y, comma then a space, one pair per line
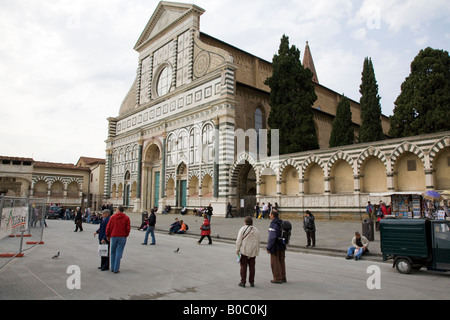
66, 65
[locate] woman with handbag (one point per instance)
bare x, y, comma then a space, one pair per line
206, 230
104, 261
310, 228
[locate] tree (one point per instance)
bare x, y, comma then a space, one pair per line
291, 98
423, 105
342, 132
371, 129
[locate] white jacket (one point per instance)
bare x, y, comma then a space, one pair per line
247, 242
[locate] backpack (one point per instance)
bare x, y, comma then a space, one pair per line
187, 227
286, 228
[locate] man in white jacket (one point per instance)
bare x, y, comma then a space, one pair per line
247, 249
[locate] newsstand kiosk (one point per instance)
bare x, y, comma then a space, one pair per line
408, 204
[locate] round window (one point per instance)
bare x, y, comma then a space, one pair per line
164, 81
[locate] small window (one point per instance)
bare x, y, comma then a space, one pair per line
411, 165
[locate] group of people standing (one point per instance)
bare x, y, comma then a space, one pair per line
247, 249
262, 211
113, 231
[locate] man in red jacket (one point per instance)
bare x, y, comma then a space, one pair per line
117, 231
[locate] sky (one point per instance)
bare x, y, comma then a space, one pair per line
66, 66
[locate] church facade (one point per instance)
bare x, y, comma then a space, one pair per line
191, 129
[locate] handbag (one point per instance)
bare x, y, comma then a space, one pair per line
103, 250
205, 227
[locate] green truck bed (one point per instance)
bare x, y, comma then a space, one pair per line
405, 237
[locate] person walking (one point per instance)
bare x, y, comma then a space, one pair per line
257, 210
229, 210
310, 228
117, 231
209, 211
247, 248
206, 230
276, 249
151, 228
101, 231
78, 220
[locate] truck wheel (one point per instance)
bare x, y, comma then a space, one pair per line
403, 265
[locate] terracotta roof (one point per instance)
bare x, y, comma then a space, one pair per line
42, 164
89, 161
16, 158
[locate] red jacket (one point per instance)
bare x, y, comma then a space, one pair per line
205, 232
118, 225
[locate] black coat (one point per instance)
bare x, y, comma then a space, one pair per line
308, 224
152, 220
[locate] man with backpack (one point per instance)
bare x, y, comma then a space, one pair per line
276, 247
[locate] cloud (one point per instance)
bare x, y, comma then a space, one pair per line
67, 65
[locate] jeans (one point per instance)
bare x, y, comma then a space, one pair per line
116, 251
150, 230
358, 255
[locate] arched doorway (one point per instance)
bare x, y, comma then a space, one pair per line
127, 189
151, 176
246, 190
181, 185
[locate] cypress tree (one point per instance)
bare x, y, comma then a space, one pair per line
371, 129
342, 127
291, 98
423, 105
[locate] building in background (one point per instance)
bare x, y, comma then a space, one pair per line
66, 184
183, 133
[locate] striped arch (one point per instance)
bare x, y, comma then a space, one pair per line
437, 147
270, 165
78, 181
312, 159
40, 178
339, 155
64, 181
407, 147
240, 161
191, 174
293, 163
368, 153
209, 172
172, 176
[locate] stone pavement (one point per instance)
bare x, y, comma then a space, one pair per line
200, 273
333, 237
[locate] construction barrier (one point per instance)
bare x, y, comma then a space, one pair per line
21, 218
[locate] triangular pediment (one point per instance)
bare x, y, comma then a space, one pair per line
166, 15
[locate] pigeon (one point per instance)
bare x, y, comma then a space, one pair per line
56, 256
176, 251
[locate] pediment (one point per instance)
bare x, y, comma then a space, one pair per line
167, 14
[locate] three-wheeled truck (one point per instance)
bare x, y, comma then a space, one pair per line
416, 243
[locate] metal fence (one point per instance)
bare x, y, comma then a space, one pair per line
22, 226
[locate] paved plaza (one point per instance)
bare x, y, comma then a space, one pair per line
204, 272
